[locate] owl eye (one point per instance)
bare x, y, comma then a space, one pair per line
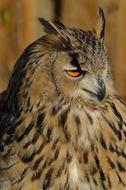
73, 73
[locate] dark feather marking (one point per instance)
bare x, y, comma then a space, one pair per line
48, 162
36, 165
49, 134
93, 170
118, 152
78, 124
66, 133
40, 148
26, 131
109, 181
111, 163
63, 117
85, 157
102, 141
55, 110
89, 117
97, 161
8, 127
116, 112
26, 145
120, 100
2, 146
48, 26
28, 157
102, 175
124, 132
35, 137
38, 104
77, 120
27, 83
102, 178
37, 174
40, 119
68, 157
112, 126
19, 121
120, 124
55, 144
120, 179
28, 103
48, 179
60, 170
66, 186
59, 24
40, 168
25, 93
95, 182
56, 153
88, 180
23, 174
62, 122
111, 148
120, 167
67, 43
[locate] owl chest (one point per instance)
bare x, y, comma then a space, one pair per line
64, 161
63, 152
64, 155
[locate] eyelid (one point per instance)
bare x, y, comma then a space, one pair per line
70, 68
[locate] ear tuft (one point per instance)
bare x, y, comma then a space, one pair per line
99, 29
49, 27
59, 24
57, 29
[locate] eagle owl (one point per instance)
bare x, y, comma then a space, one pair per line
62, 124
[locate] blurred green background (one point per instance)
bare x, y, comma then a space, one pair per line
19, 27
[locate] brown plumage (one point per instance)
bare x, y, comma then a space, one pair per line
62, 124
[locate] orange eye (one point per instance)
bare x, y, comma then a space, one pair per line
73, 73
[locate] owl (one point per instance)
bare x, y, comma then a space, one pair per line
62, 123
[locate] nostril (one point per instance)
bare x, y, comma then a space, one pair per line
100, 82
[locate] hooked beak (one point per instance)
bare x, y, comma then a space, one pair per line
100, 90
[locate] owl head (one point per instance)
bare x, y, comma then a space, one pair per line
64, 65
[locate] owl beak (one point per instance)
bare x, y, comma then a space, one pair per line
101, 90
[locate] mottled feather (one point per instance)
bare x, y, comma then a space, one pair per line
60, 130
